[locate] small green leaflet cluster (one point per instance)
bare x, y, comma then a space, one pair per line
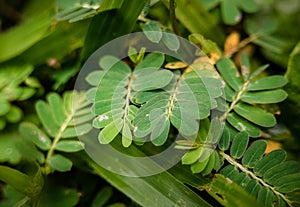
204, 158
231, 9
63, 120
76, 10
269, 178
145, 102
244, 91
10, 90
154, 32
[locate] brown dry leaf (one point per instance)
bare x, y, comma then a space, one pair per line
231, 43
272, 145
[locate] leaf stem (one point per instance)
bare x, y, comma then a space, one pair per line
172, 98
127, 100
172, 7
55, 141
236, 99
254, 176
22, 202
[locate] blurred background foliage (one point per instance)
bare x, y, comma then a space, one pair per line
43, 45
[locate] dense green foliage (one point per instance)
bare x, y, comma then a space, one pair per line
231, 115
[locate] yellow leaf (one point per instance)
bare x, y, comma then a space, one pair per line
272, 145
176, 65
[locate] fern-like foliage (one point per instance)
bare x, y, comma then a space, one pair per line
148, 100
269, 178
244, 92
15, 85
114, 92
63, 119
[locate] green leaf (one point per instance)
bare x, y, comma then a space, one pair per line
245, 66
32, 133
265, 97
56, 104
198, 20
249, 6
153, 31
47, 118
112, 102
110, 132
191, 156
224, 142
207, 46
4, 105
149, 79
103, 25
79, 11
18, 180
199, 166
210, 165
230, 73
256, 115
254, 153
242, 125
230, 194
183, 102
94, 77
77, 130
280, 170
230, 12
110, 4
33, 28
171, 41
265, 196
266, 83
239, 145
54, 194
152, 60
288, 183
60, 163
13, 197
102, 196
160, 130
268, 161
69, 146
172, 193
14, 114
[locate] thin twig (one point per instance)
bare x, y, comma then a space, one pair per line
173, 17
